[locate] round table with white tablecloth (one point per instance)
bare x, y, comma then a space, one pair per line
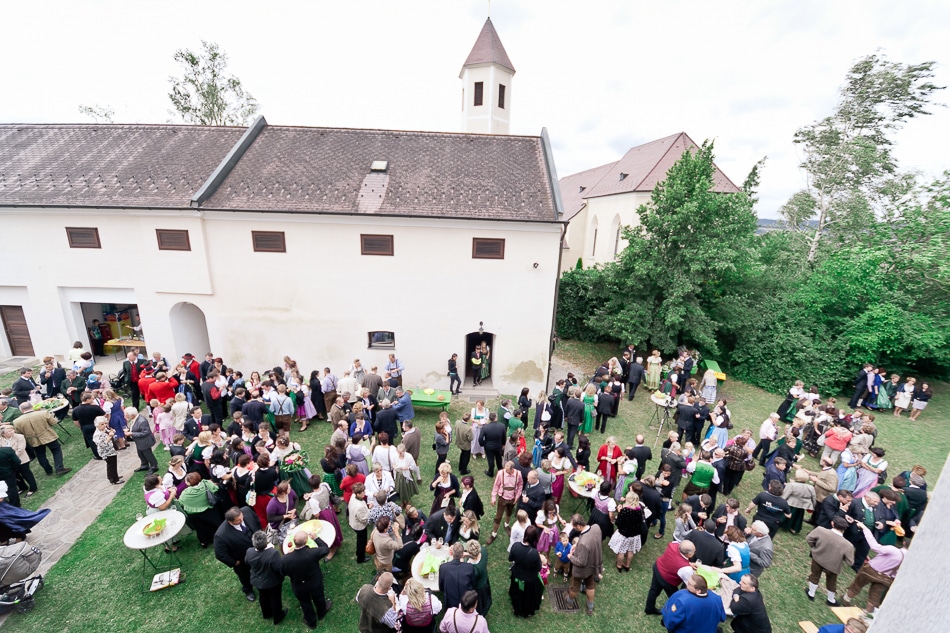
323, 529
430, 580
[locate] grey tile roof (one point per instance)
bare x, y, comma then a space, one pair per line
645, 166
108, 165
488, 49
286, 169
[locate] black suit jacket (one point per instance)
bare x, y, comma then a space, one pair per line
535, 496
635, 374
191, 429
437, 526
387, 421
642, 454
740, 521
265, 567
709, 549
303, 565
230, 544
493, 436
653, 500
474, 503
827, 510
605, 403
54, 382
455, 578
573, 411
686, 416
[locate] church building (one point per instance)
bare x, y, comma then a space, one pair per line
323, 244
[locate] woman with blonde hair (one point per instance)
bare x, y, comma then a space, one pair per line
625, 541
904, 395
654, 363
589, 400
684, 522
113, 408
445, 488
419, 608
478, 557
469, 529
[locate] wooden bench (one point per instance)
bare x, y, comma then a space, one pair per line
808, 627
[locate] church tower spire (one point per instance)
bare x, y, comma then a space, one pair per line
486, 85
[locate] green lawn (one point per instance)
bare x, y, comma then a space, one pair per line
95, 587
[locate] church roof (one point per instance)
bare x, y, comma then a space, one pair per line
284, 169
642, 168
575, 188
488, 49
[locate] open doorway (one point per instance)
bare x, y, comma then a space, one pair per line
111, 321
486, 342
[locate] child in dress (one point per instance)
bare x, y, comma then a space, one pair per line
518, 528
562, 564
155, 408
166, 425
545, 572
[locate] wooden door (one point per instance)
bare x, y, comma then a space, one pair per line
14, 324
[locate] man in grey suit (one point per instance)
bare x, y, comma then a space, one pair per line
760, 548
829, 551
141, 433
573, 414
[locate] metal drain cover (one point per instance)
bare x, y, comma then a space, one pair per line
561, 600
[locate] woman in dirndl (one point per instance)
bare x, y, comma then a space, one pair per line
320, 506
654, 363
589, 400
625, 542
404, 475
479, 419
550, 523
357, 453
560, 468
710, 385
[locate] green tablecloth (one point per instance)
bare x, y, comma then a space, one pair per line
421, 399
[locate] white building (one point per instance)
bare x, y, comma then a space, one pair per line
322, 244
599, 202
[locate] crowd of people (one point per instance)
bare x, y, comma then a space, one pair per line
244, 484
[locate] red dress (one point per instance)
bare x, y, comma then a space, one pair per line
607, 470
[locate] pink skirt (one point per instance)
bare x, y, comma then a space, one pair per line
557, 487
549, 537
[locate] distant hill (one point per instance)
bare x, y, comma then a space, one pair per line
770, 224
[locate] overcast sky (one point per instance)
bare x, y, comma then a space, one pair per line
602, 76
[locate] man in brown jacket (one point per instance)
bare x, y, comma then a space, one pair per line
587, 558
829, 551
463, 439
38, 429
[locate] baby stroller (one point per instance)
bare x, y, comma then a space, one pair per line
17, 584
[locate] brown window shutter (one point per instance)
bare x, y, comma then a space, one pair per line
479, 91
83, 237
268, 241
376, 245
485, 248
173, 240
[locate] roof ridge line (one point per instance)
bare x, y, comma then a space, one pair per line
662, 156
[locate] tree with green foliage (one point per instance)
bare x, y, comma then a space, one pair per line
692, 248
853, 175
204, 94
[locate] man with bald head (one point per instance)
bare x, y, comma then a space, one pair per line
670, 570
302, 566
378, 610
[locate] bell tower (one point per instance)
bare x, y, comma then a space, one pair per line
486, 85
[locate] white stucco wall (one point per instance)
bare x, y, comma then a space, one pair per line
316, 302
605, 211
487, 118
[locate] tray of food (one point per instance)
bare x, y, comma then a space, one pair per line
154, 528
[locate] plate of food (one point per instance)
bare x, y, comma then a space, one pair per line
154, 528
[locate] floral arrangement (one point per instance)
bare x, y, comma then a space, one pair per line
296, 461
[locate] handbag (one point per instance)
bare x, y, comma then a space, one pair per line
546, 415
750, 464
276, 536
371, 547
211, 495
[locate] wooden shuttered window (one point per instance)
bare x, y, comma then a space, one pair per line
268, 241
479, 93
486, 248
83, 237
376, 245
173, 240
